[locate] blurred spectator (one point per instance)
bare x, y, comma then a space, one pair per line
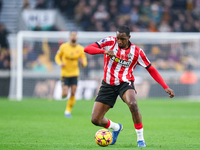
188, 76
70, 7
125, 7
5, 60
101, 13
167, 3
175, 51
164, 27
152, 27
112, 28
137, 3
181, 18
93, 4
187, 27
113, 13
41, 4
53, 28
26, 5
145, 7
196, 26
99, 26
121, 21
190, 5
50, 28
166, 15
38, 66
134, 16
86, 21
6, 64
79, 10
0, 5
61, 4
29, 56
37, 28
196, 10
3, 38
1, 61
135, 28
155, 13
177, 26
179, 4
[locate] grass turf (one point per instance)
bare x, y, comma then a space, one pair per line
40, 124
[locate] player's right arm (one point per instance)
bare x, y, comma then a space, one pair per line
94, 49
101, 47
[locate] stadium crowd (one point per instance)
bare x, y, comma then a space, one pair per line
4, 48
139, 15
107, 15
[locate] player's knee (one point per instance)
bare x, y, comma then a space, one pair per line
73, 94
95, 121
64, 94
133, 106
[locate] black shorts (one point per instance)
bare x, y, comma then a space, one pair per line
69, 80
109, 93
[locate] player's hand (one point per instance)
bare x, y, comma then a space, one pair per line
170, 92
62, 65
81, 60
110, 53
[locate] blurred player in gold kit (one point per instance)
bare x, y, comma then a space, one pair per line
68, 57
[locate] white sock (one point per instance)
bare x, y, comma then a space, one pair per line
139, 133
67, 112
114, 126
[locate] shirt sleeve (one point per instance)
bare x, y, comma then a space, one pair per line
157, 77
94, 49
84, 58
143, 60
106, 42
58, 56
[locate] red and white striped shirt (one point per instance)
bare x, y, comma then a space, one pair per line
120, 68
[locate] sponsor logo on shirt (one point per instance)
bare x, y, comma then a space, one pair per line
124, 63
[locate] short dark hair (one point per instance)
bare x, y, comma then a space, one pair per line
124, 29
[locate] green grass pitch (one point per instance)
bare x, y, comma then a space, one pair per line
38, 124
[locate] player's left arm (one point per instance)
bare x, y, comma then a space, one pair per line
83, 59
58, 56
157, 77
143, 61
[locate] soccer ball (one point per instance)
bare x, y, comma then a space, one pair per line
103, 137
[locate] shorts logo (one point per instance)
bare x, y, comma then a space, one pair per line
129, 83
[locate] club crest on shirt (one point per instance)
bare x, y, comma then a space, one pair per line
129, 55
